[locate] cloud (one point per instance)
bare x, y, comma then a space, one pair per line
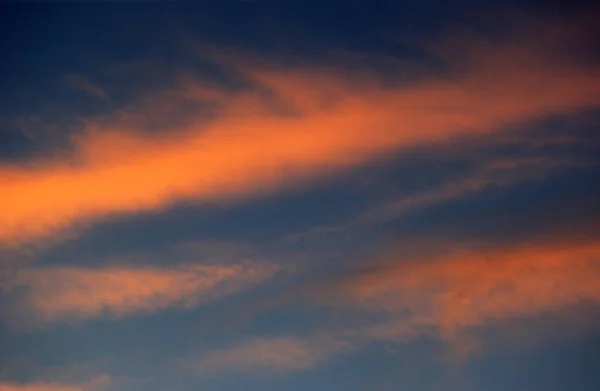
9, 386
52, 294
485, 170
269, 355
454, 296
464, 289
82, 83
498, 172
99, 383
298, 124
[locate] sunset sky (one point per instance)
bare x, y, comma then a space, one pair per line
342, 196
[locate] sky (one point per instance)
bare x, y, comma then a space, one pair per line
344, 196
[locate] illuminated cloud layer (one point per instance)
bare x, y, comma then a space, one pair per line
37, 387
450, 296
244, 207
339, 119
76, 293
475, 287
98, 383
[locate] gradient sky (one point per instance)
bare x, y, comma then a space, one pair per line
349, 196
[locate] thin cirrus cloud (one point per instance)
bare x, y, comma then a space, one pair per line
465, 288
54, 294
341, 119
269, 355
37, 387
451, 296
41, 386
99, 383
484, 174
80, 82
494, 173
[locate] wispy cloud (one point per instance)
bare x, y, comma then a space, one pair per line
269, 355
9, 386
313, 123
82, 83
483, 173
51, 294
453, 296
99, 383
470, 288
493, 173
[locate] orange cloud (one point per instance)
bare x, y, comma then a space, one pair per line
70, 293
447, 295
472, 288
9, 386
320, 121
99, 383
